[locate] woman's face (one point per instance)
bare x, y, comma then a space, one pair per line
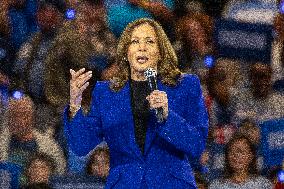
39, 172
100, 167
240, 155
20, 117
48, 18
143, 51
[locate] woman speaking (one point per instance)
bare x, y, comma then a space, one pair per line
145, 152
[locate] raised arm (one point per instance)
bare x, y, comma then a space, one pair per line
83, 132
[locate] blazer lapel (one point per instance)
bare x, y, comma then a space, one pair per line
126, 96
152, 124
151, 132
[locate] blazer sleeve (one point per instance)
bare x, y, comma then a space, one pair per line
188, 133
83, 132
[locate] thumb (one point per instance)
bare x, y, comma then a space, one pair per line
72, 72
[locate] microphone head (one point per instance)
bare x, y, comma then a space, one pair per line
150, 72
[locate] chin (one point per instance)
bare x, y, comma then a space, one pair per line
142, 67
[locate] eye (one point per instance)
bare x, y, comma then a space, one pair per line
134, 41
150, 41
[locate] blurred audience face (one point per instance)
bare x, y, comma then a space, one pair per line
20, 117
72, 3
197, 36
4, 79
261, 79
196, 31
48, 18
143, 51
201, 186
38, 172
100, 164
97, 15
83, 19
18, 4
218, 85
240, 156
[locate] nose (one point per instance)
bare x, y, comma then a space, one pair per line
142, 46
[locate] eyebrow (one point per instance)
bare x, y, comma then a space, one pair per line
144, 37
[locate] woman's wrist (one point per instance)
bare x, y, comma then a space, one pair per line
73, 109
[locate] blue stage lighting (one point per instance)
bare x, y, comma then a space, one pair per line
281, 176
281, 9
70, 14
209, 61
17, 94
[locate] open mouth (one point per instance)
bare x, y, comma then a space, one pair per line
142, 59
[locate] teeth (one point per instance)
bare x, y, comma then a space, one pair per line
142, 60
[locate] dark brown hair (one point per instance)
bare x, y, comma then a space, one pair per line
168, 70
252, 168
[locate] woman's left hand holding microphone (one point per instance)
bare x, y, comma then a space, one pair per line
159, 99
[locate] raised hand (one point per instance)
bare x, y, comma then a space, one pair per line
78, 83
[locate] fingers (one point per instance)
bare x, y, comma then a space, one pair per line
157, 92
158, 105
76, 74
157, 99
78, 85
81, 80
72, 72
84, 87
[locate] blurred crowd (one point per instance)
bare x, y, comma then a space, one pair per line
41, 40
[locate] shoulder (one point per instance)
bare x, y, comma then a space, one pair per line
101, 86
190, 79
190, 83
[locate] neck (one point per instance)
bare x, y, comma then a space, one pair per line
240, 176
138, 76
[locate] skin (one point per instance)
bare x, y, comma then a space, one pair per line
100, 167
144, 42
20, 118
17, 3
38, 172
240, 157
48, 18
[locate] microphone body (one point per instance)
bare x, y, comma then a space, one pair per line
151, 76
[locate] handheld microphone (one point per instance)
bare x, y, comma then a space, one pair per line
151, 76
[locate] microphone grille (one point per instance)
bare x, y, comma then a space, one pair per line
150, 72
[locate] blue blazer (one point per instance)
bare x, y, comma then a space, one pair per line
168, 146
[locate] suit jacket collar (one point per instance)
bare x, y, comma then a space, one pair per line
151, 126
